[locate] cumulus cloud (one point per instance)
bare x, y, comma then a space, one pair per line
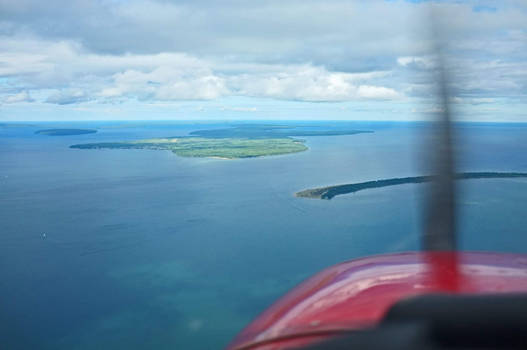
22, 96
417, 62
167, 83
378, 92
76, 51
295, 82
68, 96
309, 83
74, 75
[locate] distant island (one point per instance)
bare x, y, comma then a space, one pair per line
272, 131
65, 132
241, 141
15, 125
332, 191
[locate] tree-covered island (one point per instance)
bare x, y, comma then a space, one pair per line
243, 141
226, 148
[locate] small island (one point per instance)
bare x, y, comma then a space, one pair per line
65, 132
239, 141
15, 125
332, 191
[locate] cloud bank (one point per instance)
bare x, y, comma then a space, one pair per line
87, 53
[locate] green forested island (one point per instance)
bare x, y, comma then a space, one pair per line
241, 141
332, 191
226, 148
65, 132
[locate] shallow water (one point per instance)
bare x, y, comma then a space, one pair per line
147, 250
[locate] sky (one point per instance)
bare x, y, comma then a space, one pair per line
267, 59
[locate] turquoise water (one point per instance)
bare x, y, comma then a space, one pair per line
147, 250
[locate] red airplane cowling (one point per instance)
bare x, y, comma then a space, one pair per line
356, 294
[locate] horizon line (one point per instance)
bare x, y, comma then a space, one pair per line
259, 120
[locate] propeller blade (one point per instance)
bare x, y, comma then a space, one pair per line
439, 233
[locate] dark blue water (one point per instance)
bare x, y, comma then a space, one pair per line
147, 250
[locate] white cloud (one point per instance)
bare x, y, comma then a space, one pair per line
73, 52
473, 101
309, 83
377, 92
68, 96
420, 62
18, 98
165, 83
73, 76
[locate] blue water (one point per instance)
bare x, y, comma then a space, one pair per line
147, 250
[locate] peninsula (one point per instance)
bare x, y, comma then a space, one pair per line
332, 191
241, 141
65, 132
